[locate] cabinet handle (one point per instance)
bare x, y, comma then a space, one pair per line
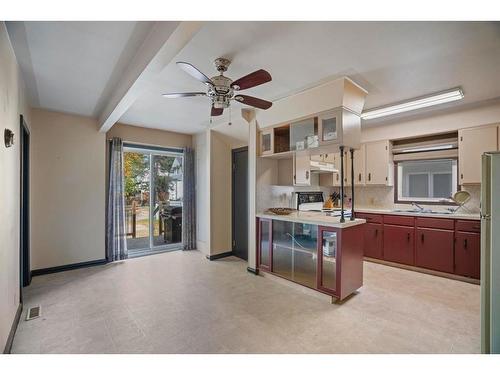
422, 237
359, 177
337, 177
369, 176
408, 237
461, 176
465, 243
307, 175
376, 232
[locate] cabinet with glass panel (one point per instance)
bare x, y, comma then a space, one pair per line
324, 258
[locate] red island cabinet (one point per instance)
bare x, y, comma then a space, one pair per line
264, 244
325, 258
340, 260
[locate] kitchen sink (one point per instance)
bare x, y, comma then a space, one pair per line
428, 212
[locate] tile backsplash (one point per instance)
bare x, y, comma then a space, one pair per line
381, 197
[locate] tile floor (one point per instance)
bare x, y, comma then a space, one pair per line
179, 302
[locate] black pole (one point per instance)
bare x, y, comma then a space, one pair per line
352, 184
342, 219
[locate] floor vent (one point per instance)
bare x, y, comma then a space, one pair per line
33, 312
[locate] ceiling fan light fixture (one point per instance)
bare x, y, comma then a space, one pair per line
221, 88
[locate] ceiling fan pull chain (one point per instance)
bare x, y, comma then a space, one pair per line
230, 111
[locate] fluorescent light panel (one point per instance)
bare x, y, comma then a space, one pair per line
428, 101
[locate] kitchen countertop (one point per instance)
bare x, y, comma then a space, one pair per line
315, 218
461, 216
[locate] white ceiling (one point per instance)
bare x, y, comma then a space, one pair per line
73, 66
75, 63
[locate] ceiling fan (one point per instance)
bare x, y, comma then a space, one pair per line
221, 89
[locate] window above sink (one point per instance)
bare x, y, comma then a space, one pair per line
426, 181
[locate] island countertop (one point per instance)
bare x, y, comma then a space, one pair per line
315, 218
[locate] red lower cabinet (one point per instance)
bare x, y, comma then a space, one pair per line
399, 244
373, 241
467, 254
434, 249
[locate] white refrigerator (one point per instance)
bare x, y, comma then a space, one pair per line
490, 253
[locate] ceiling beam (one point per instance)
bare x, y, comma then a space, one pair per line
162, 44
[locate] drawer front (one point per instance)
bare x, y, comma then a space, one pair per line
469, 226
370, 218
399, 220
429, 222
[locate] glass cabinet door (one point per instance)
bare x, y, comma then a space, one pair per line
329, 127
266, 142
283, 248
304, 134
305, 251
265, 243
328, 259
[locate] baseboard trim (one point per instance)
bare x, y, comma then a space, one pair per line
68, 267
13, 328
219, 256
424, 270
255, 271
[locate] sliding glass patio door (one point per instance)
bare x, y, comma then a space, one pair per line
153, 199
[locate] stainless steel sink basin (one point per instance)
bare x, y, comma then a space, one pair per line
427, 212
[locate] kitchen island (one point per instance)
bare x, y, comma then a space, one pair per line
312, 249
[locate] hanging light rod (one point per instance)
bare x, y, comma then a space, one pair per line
411, 105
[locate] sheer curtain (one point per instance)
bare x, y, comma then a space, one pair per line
188, 209
116, 242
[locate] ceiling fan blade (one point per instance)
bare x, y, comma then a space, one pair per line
216, 111
254, 102
251, 80
194, 72
183, 94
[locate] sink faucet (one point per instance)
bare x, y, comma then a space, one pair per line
420, 208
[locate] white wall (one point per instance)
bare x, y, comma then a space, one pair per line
68, 190
201, 143
13, 103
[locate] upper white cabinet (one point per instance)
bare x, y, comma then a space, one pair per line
378, 163
302, 169
329, 125
472, 143
359, 167
266, 142
304, 134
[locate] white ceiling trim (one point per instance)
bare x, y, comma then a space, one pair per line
163, 43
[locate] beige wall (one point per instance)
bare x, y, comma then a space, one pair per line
13, 103
465, 118
150, 137
213, 192
68, 190
220, 195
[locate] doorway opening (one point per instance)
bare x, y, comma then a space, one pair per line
24, 243
240, 202
153, 199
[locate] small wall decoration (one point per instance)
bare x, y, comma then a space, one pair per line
8, 136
